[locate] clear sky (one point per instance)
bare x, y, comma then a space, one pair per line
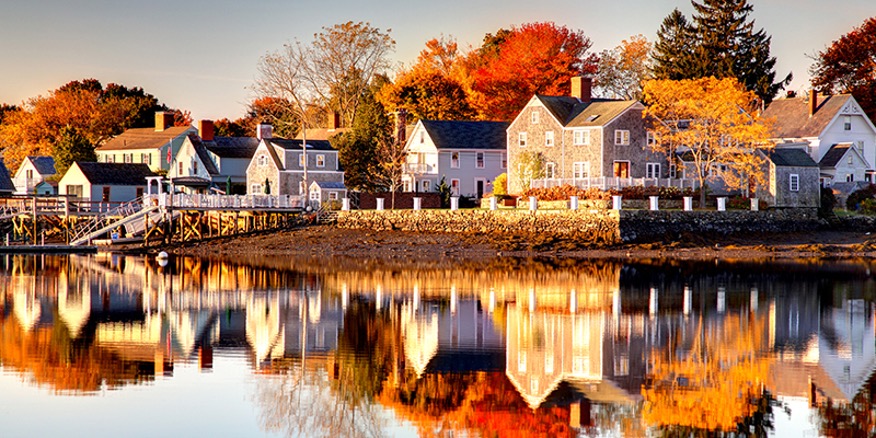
201, 55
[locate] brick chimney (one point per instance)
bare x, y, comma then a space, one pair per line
813, 102
205, 130
581, 88
401, 120
334, 120
264, 131
163, 120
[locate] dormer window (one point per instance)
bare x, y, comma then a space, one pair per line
535, 117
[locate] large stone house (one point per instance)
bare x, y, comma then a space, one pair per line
278, 165
837, 133
32, 172
578, 138
467, 155
206, 161
101, 185
154, 147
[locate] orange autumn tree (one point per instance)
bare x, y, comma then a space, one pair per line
533, 58
716, 385
714, 124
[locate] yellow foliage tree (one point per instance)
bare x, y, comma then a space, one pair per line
714, 124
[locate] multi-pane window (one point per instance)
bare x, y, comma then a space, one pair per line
320, 160
650, 138
652, 170
580, 137
550, 170
146, 158
549, 138
180, 168
673, 171
847, 123
128, 158
621, 137
521, 139
795, 182
581, 170
479, 160
454, 160
535, 116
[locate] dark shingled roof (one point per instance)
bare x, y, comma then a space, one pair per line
233, 147
466, 135
791, 157
571, 112
143, 138
201, 150
792, 118
312, 145
6, 184
44, 165
834, 154
330, 185
120, 174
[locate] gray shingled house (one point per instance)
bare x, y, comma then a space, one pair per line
792, 179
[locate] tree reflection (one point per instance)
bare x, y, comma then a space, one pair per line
715, 384
855, 419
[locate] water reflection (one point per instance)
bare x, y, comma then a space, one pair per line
597, 348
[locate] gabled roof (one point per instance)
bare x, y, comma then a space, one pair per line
322, 133
792, 157
835, 154
792, 118
201, 150
144, 138
6, 184
571, 112
44, 165
312, 145
447, 134
232, 147
121, 174
330, 185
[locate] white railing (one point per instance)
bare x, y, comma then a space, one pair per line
607, 183
419, 168
180, 200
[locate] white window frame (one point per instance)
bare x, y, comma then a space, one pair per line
847, 123
320, 160
581, 137
454, 186
255, 189
535, 117
673, 171
794, 182
427, 185
479, 160
333, 196
581, 170
550, 170
622, 137
521, 139
650, 139
549, 138
652, 170
454, 160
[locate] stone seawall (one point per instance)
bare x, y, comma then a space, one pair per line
598, 227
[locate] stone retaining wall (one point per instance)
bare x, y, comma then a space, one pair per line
599, 227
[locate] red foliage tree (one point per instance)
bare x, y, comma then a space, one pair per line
849, 66
534, 58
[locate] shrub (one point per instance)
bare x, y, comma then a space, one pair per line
854, 200
828, 202
868, 206
634, 192
500, 185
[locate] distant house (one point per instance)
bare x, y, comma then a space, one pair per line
468, 155
277, 166
579, 138
46, 188
31, 172
322, 191
838, 134
6, 185
205, 161
792, 179
108, 183
154, 147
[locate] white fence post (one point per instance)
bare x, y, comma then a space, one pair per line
454, 203
379, 204
722, 203
688, 203
616, 202
654, 200
573, 203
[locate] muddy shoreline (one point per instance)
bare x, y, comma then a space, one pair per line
326, 242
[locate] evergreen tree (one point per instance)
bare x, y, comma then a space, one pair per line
721, 42
71, 146
672, 51
359, 150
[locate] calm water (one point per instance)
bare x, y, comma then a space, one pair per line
119, 346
